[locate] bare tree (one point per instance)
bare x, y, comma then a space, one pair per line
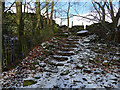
115, 18
38, 12
51, 16
102, 7
47, 12
24, 6
1, 11
19, 26
68, 16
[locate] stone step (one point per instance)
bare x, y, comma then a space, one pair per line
82, 33
56, 63
76, 37
70, 46
68, 53
61, 34
67, 49
60, 58
72, 40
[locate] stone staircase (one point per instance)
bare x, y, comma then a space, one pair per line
66, 48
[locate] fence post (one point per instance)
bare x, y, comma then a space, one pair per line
0, 38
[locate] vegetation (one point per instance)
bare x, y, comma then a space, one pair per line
21, 33
33, 43
28, 82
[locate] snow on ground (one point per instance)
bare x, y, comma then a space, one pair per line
87, 68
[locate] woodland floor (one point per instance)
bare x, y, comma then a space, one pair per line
67, 62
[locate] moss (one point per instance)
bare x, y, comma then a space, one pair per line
48, 52
28, 82
76, 52
41, 58
49, 46
51, 63
35, 63
98, 61
65, 72
91, 61
32, 68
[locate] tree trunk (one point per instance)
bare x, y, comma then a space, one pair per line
51, 16
47, 12
103, 16
19, 22
117, 33
68, 16
38, 13
24, 6
3, 6
111, 10
1, 12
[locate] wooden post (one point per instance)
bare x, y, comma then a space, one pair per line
1, 38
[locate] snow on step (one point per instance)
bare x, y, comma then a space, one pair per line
67, 49
65, 53
82, 33
70, 45
60, 58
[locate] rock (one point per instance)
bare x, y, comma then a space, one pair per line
114, 79
89, 82
103, 72
67, 49
70, 46
105, 63
59, 64
56, 86
79, 66
77, 81
60, 58
86, 40
37, 77
65, 72
70, 61
71, 42
87, 71
65, 53
28, 82
40, 58
52, 63
98, 44
96, 72
107, 87
91, 60
118, 54
42, 64
51, 70
84, 79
